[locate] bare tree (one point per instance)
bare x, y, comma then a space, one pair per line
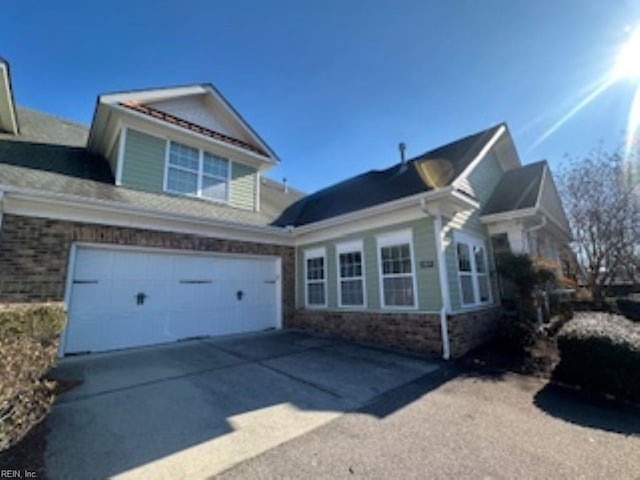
602, 200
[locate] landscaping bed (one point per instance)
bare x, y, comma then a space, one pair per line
29, 337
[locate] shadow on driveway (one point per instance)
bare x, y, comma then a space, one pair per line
588, 410
191, 410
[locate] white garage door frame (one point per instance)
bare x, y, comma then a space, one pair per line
135, 248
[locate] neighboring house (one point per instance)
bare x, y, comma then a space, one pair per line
157, 224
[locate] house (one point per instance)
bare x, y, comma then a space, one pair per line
157, 224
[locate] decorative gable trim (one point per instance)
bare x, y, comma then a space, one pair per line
186, 124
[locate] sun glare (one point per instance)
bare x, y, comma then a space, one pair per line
628, 61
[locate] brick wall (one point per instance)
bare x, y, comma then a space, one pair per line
413, 332
34, 254
469, 330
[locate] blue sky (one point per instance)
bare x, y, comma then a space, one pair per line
333, 86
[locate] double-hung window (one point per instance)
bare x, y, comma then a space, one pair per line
191, 171
315, 262
350, 259
473, 274
397, 275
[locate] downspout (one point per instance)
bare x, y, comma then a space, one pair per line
1, 211
442, 274
534, 228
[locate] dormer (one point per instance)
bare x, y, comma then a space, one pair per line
8, 118
181, 141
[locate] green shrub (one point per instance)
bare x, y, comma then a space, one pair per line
28, 347
601, 352
629, 308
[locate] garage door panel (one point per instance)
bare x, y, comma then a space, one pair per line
185, 296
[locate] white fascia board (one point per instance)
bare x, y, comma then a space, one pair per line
203, 139
378, 216
373, 211
510, 215
238, 118
28, 202
474, 163
153, 94
8, 120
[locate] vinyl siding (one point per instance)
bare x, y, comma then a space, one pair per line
428, 288
481, 182
243, 186
143, 166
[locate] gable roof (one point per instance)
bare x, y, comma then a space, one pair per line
49, 156
517, 189
155, 105
380, 186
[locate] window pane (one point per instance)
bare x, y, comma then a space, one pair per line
483, 284
350, 264
396, 259
213, 165
398, 291
182, 182
464, 259
315, 268
351, 291
481, 267
315, 293
214, 188
183, 156
466, 285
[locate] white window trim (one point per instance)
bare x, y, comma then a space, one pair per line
472, 241
351, 247
390, 239
200, 173
309, 254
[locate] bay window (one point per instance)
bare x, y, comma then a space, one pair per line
315, 262
351, 290
397, 276
473, 273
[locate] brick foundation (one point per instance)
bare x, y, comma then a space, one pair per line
34, 254
414, 332
470, 330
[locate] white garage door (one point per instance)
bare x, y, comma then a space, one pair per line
126, 298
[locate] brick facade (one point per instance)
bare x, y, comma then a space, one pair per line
414, 332
34, 254
470, 330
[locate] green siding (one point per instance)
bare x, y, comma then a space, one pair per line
243, 186
113, 156
144, 157
144, 167
482, 181
428, 288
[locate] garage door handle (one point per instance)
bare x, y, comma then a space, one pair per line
196, 281
269, 281
84, 282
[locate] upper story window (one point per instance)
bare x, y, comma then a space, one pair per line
397, 275
473, 274
351, 291
191, 171
316, 277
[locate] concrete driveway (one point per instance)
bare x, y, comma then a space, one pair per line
194, 409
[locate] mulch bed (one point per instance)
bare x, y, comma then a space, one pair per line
28, 454
537, 360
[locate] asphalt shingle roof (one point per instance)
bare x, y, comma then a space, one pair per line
517, 189
380, 186
49, 155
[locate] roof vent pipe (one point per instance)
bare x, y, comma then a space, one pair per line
402, 147
284, 185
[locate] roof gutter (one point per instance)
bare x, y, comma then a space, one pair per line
444, 193
115, 207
